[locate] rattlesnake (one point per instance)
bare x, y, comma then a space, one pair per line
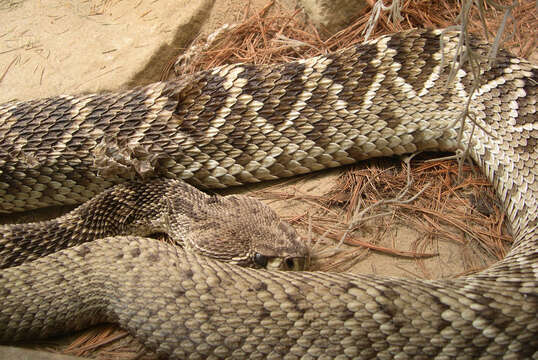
237, 229
243, 123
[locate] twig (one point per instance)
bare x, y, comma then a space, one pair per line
358, 216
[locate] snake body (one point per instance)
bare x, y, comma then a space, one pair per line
243, 123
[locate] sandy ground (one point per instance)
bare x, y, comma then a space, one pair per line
81, 46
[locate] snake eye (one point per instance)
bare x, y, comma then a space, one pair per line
260, 259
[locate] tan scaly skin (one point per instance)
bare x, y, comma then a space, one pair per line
244, 123
236, 229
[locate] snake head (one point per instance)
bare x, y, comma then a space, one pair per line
238, 229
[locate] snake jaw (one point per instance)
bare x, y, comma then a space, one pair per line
274, 264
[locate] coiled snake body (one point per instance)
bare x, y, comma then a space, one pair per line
244, 123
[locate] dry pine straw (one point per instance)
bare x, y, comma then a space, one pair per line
446, 209
456, 211
281, 36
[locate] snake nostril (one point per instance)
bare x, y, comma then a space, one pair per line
290, 263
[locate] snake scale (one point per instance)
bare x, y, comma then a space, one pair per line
245, 123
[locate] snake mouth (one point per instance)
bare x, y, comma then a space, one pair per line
286, 264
